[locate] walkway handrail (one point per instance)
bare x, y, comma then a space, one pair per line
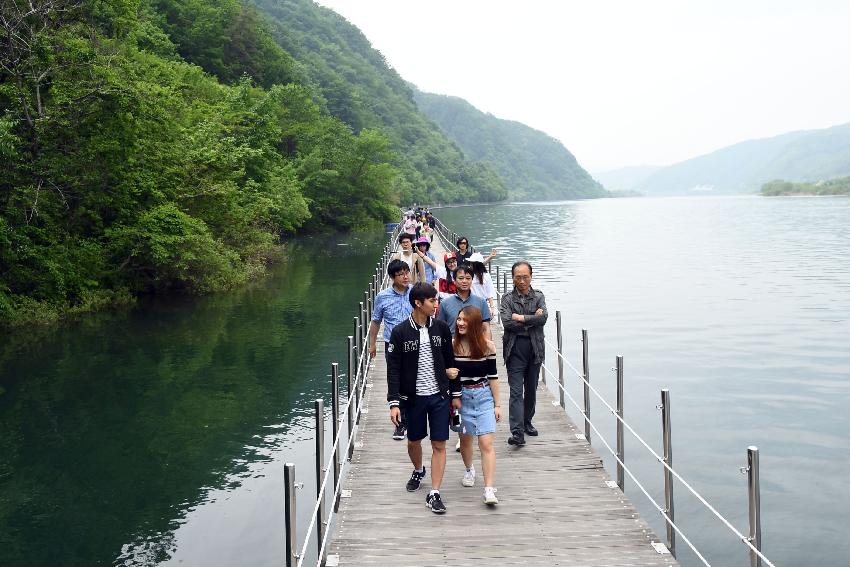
356, 397
659, 458
447, 234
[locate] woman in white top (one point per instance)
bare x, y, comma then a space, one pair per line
482, 284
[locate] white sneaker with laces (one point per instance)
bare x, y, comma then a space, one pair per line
469, 477
490, 496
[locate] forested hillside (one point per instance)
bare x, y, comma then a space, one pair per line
168, 145
839, 186
535, 166
355, 84
809, 155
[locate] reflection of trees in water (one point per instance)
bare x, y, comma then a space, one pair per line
114, 425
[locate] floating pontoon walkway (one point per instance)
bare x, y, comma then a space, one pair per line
555, 507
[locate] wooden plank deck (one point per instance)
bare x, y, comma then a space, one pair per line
554, 505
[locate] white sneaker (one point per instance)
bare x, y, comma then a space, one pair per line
469, 477
490, 496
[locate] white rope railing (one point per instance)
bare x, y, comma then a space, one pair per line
660, 459
358, 392
631, 475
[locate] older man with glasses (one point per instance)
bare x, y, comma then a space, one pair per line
523, 313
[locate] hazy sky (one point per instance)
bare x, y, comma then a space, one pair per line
625, 82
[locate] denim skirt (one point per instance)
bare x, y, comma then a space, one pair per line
478, 411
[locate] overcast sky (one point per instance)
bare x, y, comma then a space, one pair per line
625, 82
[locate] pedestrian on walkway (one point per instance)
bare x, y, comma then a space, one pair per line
464, 251
475, 358
482, 283
392, 306
523, 313
451, 306
410, 257
421, 383
423, 245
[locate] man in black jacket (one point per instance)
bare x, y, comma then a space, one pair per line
420, 379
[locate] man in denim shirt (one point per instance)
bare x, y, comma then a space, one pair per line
523, 313
392, 306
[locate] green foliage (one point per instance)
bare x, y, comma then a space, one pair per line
168, 145
840, 186
353, 82
534, 166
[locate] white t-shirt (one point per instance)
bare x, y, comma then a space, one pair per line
484, 290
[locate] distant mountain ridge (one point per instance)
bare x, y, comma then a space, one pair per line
533, 165
806, 155
627, 178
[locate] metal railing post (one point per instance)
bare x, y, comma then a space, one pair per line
289, 513
585, 365
498, 280
754, 503
668, 476
505, 282
351, 388
358, 341
621, 448
561, 396
335, 429
320, 461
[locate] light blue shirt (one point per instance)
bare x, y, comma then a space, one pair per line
451, 306
393, 307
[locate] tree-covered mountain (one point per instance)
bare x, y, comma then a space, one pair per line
151, 146
535, 166
354, 83
808, 155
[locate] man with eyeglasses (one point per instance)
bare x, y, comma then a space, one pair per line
523, 313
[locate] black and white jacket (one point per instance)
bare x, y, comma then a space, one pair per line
403, 360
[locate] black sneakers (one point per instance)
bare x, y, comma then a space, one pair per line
415, 480
517, 439
399, 432
531, 430
435, 503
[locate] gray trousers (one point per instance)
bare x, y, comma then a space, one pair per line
523, 375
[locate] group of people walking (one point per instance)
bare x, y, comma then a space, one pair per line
441, 359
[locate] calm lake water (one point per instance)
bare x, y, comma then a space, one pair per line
157, 436
741, 307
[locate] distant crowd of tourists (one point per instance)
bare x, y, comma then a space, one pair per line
441, 359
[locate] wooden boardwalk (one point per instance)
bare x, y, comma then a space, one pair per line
555, 507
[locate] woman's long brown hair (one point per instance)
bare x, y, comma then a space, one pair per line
474, 333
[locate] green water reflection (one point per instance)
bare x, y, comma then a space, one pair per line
112, 427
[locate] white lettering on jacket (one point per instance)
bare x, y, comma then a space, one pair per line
410, 346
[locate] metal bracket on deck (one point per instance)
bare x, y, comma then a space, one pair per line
344, 493
580, 436
364, 410
660, 548
332, 561
612, 484
555, 403
358, 444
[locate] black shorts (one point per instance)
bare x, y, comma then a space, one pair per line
428, 413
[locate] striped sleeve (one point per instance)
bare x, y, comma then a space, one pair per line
492, 374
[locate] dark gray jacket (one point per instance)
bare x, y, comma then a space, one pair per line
514, 302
